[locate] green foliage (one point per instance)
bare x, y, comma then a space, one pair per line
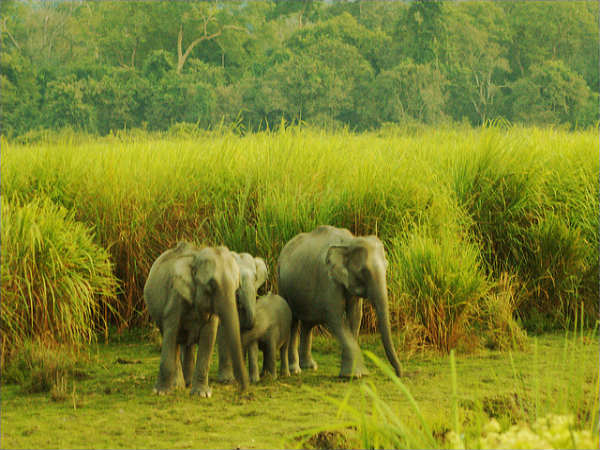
57, 284
66, 105
442, 287
408, 92
517, 200
157, 65
179, 99
20, 97
496, 205
106, 66
425, 27
552, 93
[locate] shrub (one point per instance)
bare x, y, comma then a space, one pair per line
496, 317
39, 367
442, 286
56, 283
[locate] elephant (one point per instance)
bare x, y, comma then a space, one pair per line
270, 333
253, 275
187, 292
324, 275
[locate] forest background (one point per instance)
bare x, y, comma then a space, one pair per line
106, 66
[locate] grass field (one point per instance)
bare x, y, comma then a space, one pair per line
111, 405
503, 220
491, 235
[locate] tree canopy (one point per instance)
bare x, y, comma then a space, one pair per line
102, 66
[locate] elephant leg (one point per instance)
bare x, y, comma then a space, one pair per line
354, 313
225, 372
352, 360
284, 368
168, 362
253, 362
293, 347
187, 363
306, 359
206, 342
270, 361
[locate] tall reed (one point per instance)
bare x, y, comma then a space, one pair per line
492, 195
57, 284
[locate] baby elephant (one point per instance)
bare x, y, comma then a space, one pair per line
271, 332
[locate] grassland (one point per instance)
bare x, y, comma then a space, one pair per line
111, 405
491, 234
482, 226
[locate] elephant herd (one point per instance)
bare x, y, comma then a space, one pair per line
199, 296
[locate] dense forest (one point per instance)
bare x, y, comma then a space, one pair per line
105, 66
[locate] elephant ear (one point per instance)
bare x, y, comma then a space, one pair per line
336, 264
182, 279
205, 272
356, 258
261, 272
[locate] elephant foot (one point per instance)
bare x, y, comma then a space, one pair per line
254, 378
284, 373
160, 390
204, 392
356, 373
295, 369
309, 364
225, 378
271, 375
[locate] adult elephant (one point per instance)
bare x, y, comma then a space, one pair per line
324, 275
187, 292
253, 275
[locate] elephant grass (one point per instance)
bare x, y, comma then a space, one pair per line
516, 203
113, 405
57, 284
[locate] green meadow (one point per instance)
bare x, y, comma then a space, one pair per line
492, 239
105, 400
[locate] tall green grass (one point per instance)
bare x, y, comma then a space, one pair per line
497, 201
57, 284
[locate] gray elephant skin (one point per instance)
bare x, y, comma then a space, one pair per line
324, 275
253, 275
187, 293
270, 334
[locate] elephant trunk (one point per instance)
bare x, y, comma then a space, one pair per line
379, 298
247, 298
231, 327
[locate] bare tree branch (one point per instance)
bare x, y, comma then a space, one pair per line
182, 56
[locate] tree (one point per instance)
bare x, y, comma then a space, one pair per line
67, 105
373, 46
476, 64
426, 35
552, 93
208, 20
409, 91
562, 30
179, 98
19, 102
